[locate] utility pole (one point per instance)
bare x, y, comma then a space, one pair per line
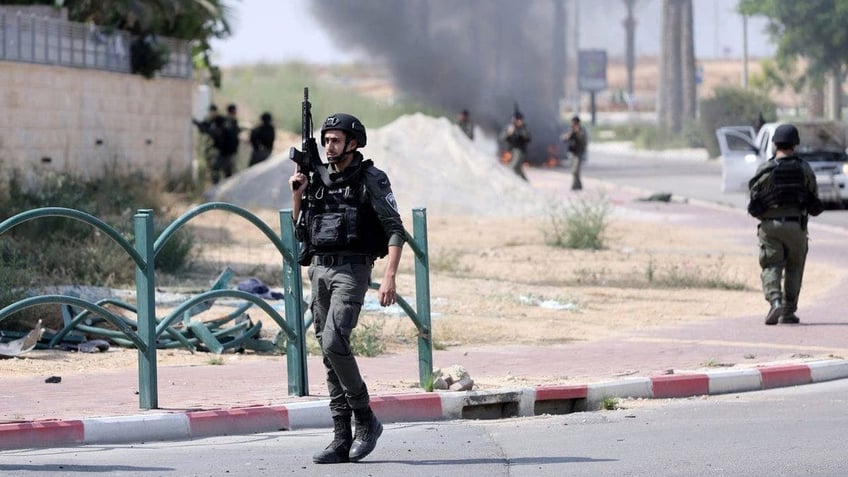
745, 51
630, 60
560, 53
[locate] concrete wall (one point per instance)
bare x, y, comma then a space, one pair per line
84, 121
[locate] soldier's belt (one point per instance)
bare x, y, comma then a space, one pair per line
784, 219
337, 260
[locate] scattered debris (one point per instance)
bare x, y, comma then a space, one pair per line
454, 378
22, 345
87, 332
550, 304
91, 346
657, 197
255, 286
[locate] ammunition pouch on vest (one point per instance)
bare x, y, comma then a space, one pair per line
334, 229
341, 219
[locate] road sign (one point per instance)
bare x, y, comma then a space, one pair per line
592, 70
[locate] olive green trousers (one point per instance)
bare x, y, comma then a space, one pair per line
783, 253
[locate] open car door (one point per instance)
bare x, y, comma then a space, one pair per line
739, 159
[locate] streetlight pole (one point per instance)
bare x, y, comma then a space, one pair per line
745, 51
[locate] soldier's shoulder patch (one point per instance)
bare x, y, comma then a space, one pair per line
378, 177
390, 198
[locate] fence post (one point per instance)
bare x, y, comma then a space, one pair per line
145, 284
422, 297
293, 296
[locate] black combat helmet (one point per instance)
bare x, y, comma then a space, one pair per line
352, 127
786, 134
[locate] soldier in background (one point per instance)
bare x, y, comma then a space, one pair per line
516, 136
577, 141
228, 146
783, 194
262, 139
464, 123
213, 128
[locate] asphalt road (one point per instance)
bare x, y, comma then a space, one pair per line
685, 177
786, 431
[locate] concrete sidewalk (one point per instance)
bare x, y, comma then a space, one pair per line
240, 397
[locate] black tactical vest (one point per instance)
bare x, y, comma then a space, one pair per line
341, 219
785, 185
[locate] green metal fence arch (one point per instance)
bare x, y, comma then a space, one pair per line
148, 328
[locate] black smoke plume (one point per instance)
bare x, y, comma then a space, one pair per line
480, 55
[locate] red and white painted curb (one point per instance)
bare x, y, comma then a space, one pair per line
409, 407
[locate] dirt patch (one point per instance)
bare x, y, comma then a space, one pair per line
493, 280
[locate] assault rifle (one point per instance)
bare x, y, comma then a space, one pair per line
308, 162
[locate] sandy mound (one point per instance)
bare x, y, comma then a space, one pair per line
430, 162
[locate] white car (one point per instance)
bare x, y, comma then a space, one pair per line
823, 146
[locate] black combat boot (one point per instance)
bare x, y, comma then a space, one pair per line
775, 311
338, 450
789, 318
368, 430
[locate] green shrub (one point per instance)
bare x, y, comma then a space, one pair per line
448, 261
646, 135
176, 253
579, 224
367, 339
686, 275
14, 273
732, 106
610, 403
147, 56
61, 250
656, 138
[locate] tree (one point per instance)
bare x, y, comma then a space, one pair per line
677, 71
813, 30
195, 21
786, 73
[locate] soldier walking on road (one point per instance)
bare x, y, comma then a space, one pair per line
344, 226
783, 194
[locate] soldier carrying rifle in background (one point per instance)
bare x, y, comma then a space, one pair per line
516, 136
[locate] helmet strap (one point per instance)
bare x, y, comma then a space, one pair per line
344, 153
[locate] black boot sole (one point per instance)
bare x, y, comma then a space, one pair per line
330, 459
774, 315
364, 453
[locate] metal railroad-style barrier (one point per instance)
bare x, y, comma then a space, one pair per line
145, 332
